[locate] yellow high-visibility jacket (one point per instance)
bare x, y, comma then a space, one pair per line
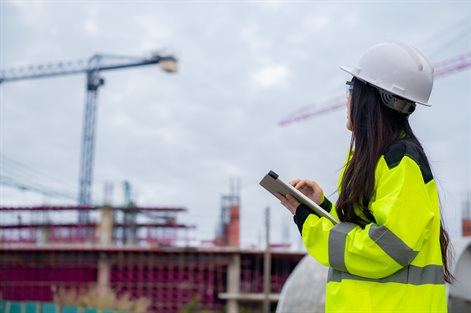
395, 263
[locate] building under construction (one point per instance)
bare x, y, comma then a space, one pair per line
134, 259
135, 252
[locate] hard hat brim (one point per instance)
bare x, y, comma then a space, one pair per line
355, 73
347, 69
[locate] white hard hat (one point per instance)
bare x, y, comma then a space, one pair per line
398, 69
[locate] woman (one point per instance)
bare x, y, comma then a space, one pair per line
389, 253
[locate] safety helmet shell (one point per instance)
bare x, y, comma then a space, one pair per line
396, 68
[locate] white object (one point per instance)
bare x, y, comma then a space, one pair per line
459, 295
396, 68
274, 184
304, 290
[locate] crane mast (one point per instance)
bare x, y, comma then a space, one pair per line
92, 68
94, 81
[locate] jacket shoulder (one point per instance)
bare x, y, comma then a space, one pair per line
396, 152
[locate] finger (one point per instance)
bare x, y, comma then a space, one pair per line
283, 200
286, 204
307, 189
300, 184
310, 183
279, 196
305, 186
294, 182
292, 205
292, 200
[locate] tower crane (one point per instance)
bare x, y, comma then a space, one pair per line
92, 68
441, 69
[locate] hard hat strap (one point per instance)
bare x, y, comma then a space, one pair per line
391, 101
398, 104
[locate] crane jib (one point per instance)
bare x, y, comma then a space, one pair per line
75, 67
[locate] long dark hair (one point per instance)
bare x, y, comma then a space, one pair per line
375, 127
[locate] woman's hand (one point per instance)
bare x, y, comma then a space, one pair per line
288, 202
308, 187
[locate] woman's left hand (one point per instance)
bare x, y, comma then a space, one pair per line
289, 202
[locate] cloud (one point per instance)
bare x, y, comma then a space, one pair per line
271, 76
90, 26
317, 24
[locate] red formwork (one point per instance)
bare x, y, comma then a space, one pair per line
171, 278
156, 234
89, 208
31, 276
252, 271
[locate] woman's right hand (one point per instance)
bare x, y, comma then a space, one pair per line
309, 188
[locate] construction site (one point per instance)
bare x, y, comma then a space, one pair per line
108, 258
109, 266
87, 257
45, 262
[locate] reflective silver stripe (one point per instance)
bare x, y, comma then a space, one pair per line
392, 245
412, 275
337, 239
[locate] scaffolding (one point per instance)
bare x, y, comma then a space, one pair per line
39, 256
162, 229
170, 277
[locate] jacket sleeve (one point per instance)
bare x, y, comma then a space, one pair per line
302, 212
403, 214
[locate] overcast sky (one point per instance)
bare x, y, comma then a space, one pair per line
243, 66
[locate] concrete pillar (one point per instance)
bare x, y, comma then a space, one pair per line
43, 237
267, 266
106, 238
131, 229
104, 270
106, 226
233, 283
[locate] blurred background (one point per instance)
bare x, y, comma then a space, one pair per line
257, 88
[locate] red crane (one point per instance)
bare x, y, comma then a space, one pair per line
441, 69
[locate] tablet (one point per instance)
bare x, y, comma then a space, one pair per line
273, 184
